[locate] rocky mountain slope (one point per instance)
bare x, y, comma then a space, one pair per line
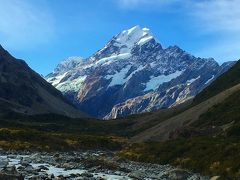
172, 127
225, 81
199, 135
24, 91
132, 74
212, 112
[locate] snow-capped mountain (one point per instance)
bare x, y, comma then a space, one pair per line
68, 64
133, 73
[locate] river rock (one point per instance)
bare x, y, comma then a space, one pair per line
29, 168
68, 166
178, 174
57, 155
42, 167
25, 161
137, 175
87, 174
5, 176
11, 156
10, 170
3, 163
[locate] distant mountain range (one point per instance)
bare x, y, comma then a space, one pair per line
24, 91
132, 74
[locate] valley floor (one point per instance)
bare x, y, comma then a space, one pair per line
205, 154
88, 165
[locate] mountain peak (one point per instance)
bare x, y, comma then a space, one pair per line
133, 30
71, 59
68, 63
123, 43
136, 35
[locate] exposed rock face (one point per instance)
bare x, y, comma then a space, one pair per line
133, 73
24, 91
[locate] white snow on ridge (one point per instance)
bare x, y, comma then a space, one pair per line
144, 40
119, 77
209, 80
128, 38
72, 59
55, 81
156, 81
68, 64
146, 29
138, 69
110, 59
73, 85
192, 80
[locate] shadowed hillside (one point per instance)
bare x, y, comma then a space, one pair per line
24, 91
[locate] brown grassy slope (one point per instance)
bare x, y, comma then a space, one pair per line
135, 124
163, 130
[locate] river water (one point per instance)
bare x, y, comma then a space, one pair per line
88, 165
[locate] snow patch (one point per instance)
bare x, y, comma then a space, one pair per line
156, 81
71, 85
56, 80
144, 40
119, 77
192, 80
209, 80
110, 59
135, 71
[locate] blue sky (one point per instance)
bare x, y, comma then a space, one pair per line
43, 32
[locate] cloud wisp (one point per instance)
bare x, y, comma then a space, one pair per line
218, 15
221, 18
24, 25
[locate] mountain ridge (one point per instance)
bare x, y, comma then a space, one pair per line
133, 73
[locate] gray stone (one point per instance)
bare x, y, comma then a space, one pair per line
137, 175
3, 163
87, 174
178, 174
